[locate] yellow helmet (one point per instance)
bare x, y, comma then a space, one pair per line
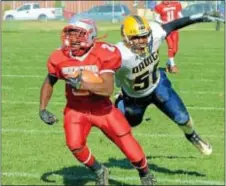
134, 25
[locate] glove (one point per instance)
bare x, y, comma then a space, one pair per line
47, 117
75, 82
212, 17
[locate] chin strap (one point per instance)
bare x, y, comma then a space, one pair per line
102, 37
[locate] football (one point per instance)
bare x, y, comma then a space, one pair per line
89, 77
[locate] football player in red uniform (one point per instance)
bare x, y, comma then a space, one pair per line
168, 11
80, 51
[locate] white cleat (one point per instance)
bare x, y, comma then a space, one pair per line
204, 147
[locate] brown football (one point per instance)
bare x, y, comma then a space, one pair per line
89, 77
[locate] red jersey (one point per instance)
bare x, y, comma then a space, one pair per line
102, 57
168, 11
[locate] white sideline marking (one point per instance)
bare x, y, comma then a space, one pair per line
199, 92
63, 103
181, 91
156, 135
38, 76
22, 76
26, 67
204, 29
73, 177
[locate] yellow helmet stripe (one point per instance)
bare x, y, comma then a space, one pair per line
139, 21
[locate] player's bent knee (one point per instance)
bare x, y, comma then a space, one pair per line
135, 121
181, 118
133, 151
134, 118
74, 146
77, 150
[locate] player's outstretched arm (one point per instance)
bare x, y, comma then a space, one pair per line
45, 95
186, 21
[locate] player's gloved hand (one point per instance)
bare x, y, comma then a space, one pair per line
212, 17
75, 82
172, 69
47, 117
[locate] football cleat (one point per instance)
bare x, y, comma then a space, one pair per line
148, 179
172, 69
102, 177
204, 147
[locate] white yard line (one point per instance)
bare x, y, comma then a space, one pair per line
181, 91
39, 76
199, 92
63, 103
121, 178
156, 135
21, 76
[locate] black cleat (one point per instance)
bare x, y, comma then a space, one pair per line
148, 179
102, 176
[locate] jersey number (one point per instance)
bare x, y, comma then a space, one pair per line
170, 15
142, 81
109, 47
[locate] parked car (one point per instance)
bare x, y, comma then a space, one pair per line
32, 11
198, 8
221, 8
106, 12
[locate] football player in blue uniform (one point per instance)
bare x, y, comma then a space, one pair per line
143, 83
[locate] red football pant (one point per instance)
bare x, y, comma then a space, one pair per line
77, 125
172, 42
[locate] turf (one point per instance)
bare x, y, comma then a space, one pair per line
35, 154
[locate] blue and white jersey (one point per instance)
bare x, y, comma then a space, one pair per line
139, 76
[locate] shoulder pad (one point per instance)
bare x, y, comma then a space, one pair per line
105, 50
57, 56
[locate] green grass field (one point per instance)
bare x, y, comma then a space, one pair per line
35, 154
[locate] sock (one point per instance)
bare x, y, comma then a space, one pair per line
142, 167
192, 136
171, 61
85, 156
188, 128
96, 167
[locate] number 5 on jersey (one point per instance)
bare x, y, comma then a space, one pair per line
142, 81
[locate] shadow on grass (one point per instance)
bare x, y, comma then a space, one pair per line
79, 175
125, 164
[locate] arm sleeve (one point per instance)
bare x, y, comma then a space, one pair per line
52, 79
51, 67
182, 22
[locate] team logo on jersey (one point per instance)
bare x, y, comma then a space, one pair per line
73, 69
153, 58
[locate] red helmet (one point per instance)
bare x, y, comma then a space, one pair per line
78, 36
